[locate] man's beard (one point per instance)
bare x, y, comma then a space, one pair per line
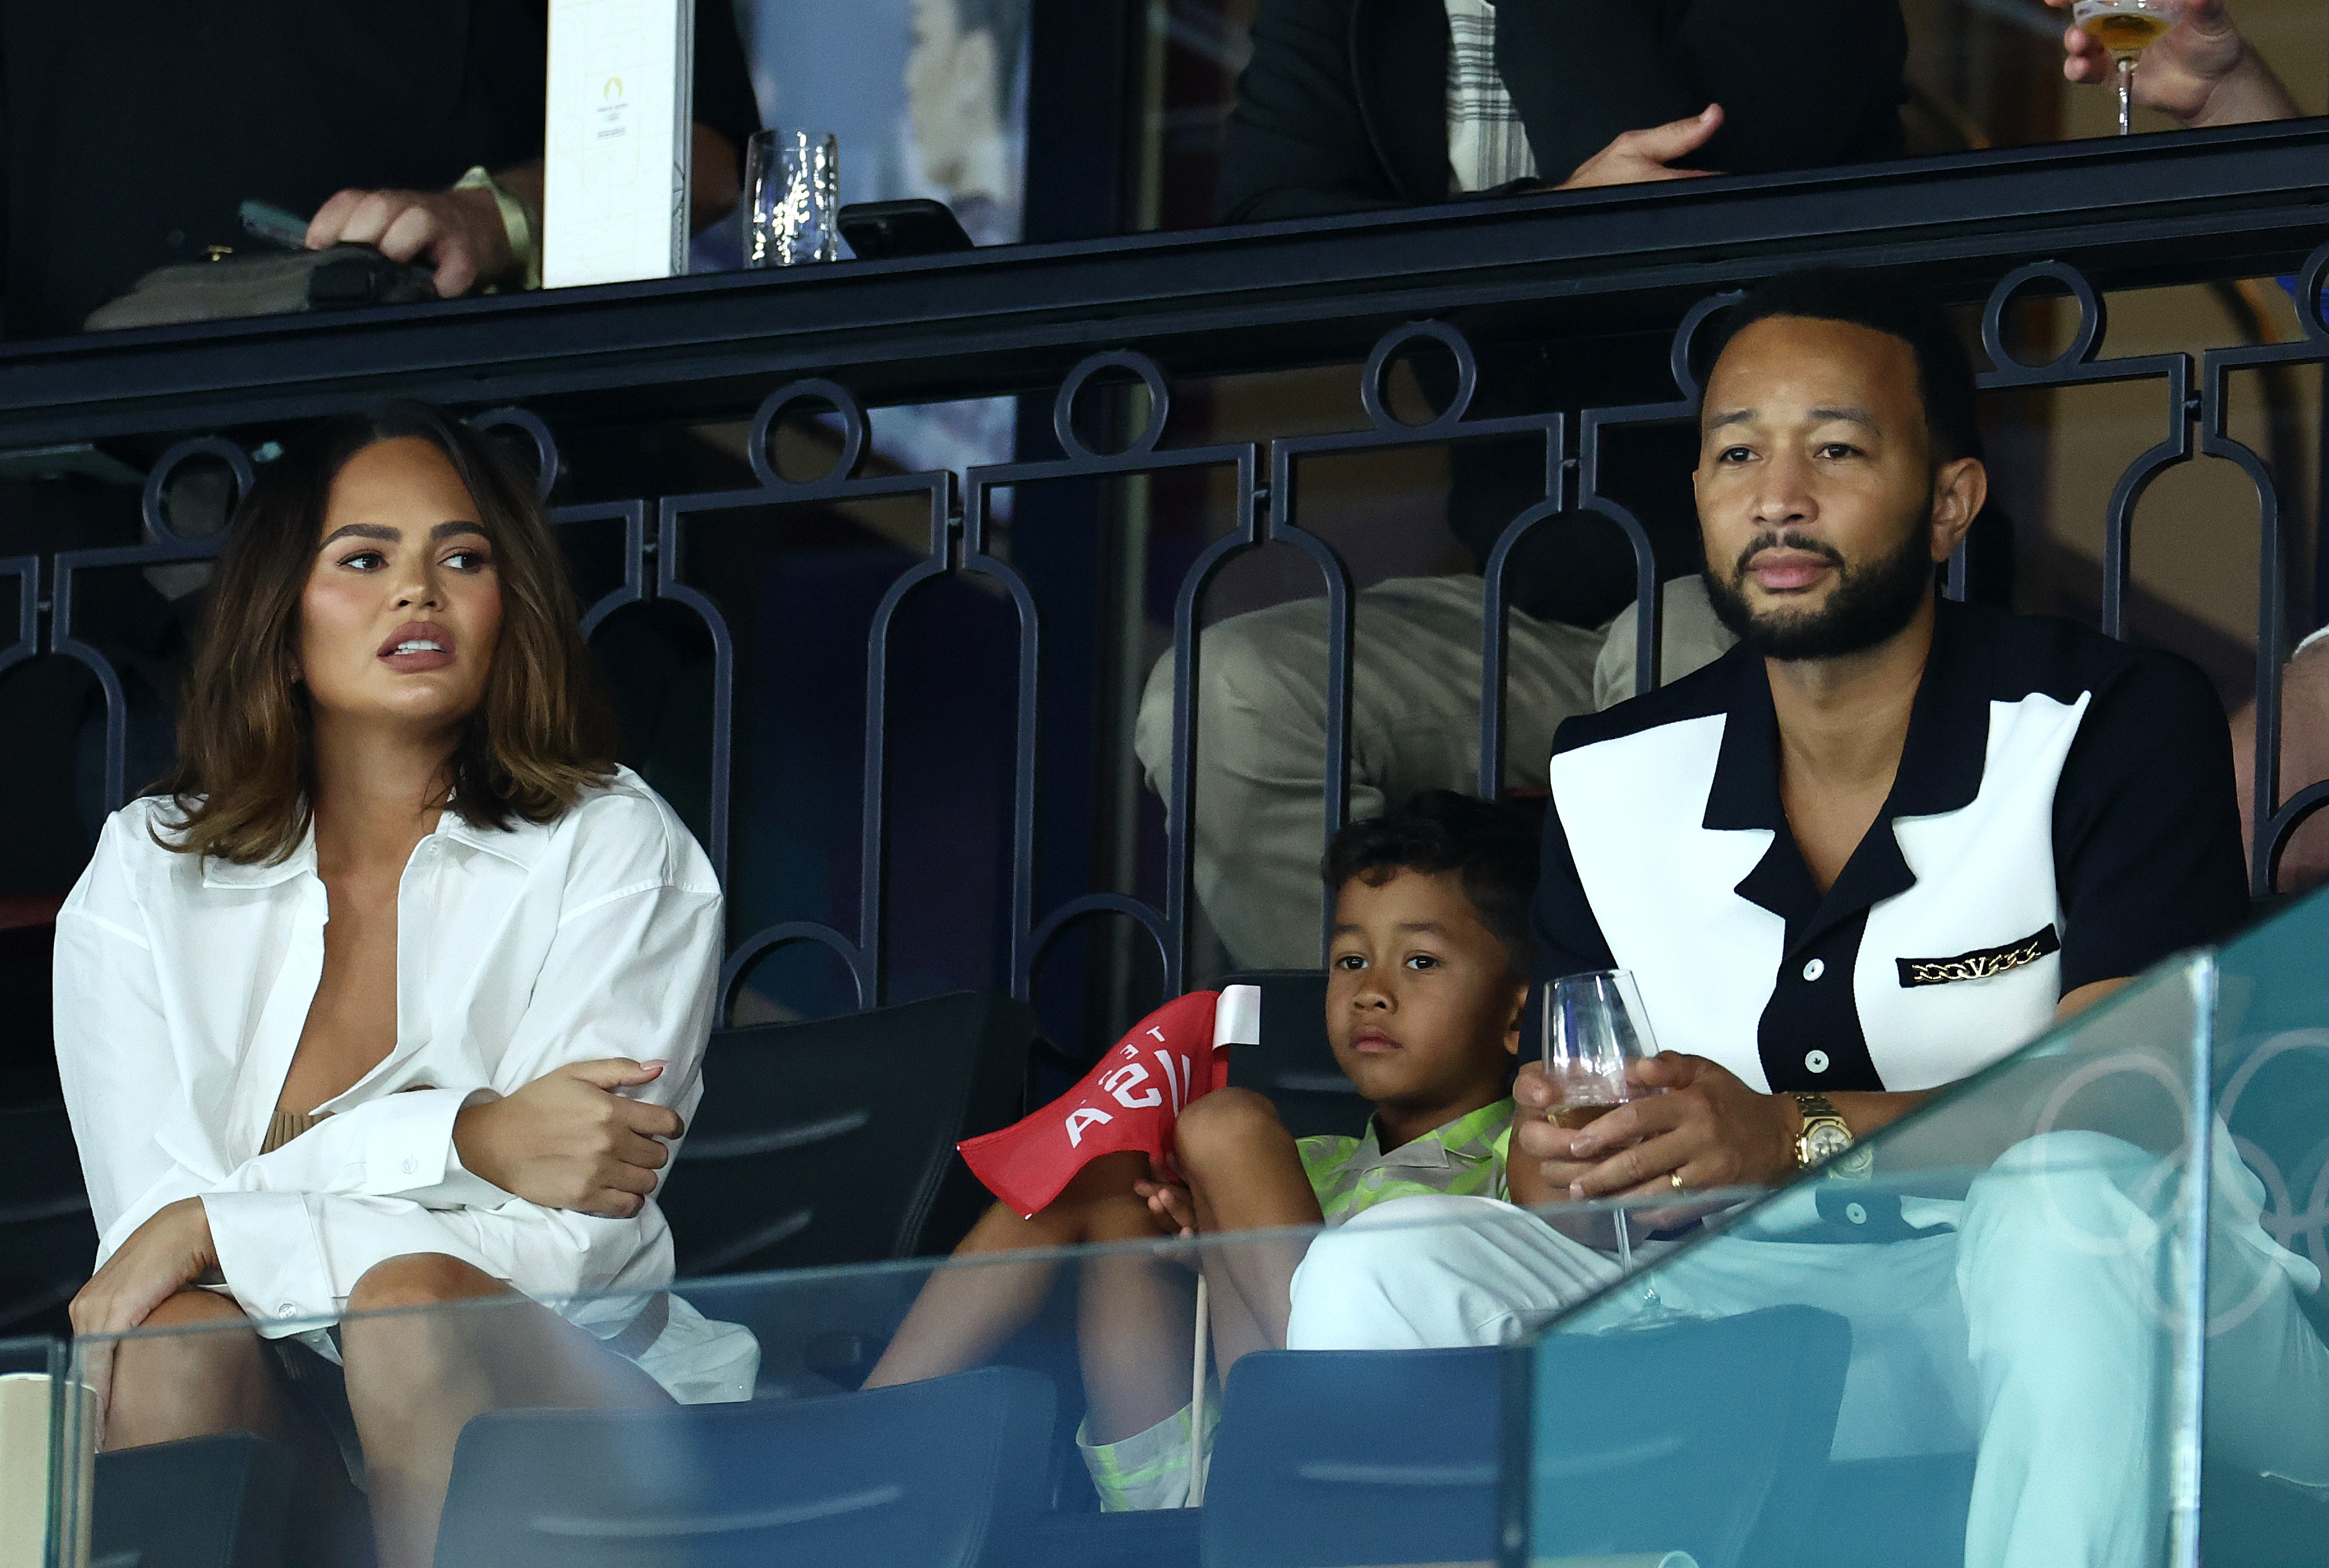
1869, 604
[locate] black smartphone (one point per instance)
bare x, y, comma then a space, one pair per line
879, 231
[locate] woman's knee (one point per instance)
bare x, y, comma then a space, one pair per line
420, 1280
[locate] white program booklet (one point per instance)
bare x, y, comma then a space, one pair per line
621, 115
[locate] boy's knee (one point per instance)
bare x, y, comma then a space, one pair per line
1223, 1122
420, 1279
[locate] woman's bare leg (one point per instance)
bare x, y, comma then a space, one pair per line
210, 1375
1245, 1174
416, 1377
215, 1376
1130, 1315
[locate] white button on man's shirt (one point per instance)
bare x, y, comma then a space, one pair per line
410, 1166
1855, 1214
1815, 969
1815, 1060
287, 1310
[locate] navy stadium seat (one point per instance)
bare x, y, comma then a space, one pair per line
1293, 1064
944, 1474
832, 1141
202, 1502
48, 1243
1684, 1440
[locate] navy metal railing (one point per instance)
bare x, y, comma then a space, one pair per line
961, 539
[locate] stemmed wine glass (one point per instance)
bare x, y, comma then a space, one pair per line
2127, 28
1594, 1026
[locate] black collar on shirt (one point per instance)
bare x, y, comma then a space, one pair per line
1940, 770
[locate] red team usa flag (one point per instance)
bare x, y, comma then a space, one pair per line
1131, 1100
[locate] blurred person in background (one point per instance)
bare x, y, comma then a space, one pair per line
964, 79
2201, 72
133, 133
1352, 106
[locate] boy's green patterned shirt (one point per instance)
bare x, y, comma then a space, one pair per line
1467, 1156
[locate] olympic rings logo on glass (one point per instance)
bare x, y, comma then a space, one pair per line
2303, 1231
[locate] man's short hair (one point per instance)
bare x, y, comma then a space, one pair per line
1945, 381
1493, 849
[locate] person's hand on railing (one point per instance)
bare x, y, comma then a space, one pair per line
1635, 156
569, 1141
460, 232
2201, 72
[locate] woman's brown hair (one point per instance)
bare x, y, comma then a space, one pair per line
245, 775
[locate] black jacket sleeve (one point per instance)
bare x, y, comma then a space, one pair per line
723, 84
1803, 83
1312, 134
1343, 108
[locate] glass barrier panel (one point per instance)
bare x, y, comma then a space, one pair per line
32, 1426
2265, 1480
1972, 1352
1052, 1406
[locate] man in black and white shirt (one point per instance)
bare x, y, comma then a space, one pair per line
1888, 838
1352, 106
1878, 846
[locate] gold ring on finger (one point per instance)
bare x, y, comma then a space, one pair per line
1675, 1177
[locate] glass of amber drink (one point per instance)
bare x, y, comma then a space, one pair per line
1594, 1026
2127, 28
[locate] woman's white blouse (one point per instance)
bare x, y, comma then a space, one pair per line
183, 985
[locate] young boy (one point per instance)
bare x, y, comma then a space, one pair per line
1426, 977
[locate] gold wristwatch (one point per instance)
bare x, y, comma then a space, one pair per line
1827, 1141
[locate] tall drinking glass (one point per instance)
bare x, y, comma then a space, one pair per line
792, 199
2127, 28
1594, 1024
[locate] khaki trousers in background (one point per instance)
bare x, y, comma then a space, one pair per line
1415, 725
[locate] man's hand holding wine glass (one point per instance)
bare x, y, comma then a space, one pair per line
1706, 1127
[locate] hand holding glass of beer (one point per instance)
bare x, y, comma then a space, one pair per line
2127, 28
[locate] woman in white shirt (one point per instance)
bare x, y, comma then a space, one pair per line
462, 1087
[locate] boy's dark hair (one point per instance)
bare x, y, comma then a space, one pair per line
1492, 847
1945, 379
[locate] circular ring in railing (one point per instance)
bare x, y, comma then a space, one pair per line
791, 932
1686, 338
2311, 278
2083, 343
1370, 381
158, 483
1063, 406
547, 465
772, 407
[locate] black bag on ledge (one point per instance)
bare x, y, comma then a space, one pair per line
232, 287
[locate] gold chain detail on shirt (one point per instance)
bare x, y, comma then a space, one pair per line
1941, 971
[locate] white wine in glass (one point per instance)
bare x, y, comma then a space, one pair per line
2127, 28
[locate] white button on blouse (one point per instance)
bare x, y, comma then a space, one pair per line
1815, 969
1816, 1061
182, 986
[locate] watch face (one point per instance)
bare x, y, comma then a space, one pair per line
1826, 1140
